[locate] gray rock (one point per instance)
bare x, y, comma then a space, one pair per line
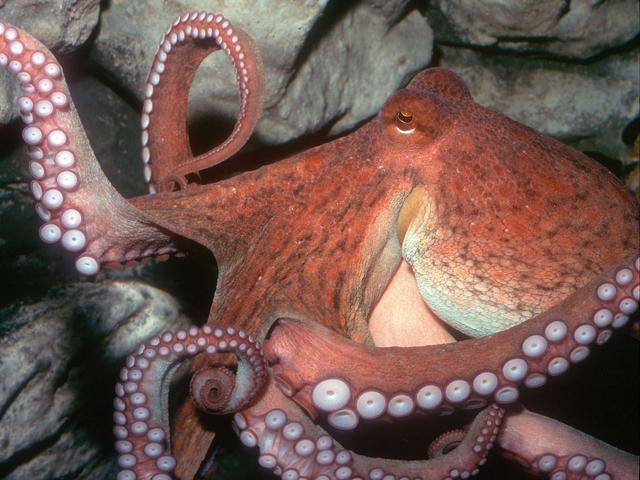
365, 57
585, 105
20, 252
113, 128
62, 25
58, 361
8, 94
335, 62
576, 28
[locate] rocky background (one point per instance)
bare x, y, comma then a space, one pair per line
569, 68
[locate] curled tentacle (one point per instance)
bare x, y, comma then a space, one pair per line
189, 40
211, 388
141, 404
350, 381
446, 443
551, 449
79, 207
293, 448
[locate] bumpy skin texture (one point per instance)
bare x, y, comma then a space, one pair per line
501, 226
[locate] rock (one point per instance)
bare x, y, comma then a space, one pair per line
62, 25
21, 252
59, 359
585, 105
8, 93
326, 63
576, 28
113, 128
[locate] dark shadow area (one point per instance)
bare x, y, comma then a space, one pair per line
631, 132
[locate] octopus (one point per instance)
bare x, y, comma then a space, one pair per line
440, 258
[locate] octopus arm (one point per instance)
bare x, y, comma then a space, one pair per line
550, 448
293, 447
329, 374
166, 151
78, 206
140, 406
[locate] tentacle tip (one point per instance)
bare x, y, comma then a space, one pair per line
211, 388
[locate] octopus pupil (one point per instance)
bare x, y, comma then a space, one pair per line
405, 122
405, 117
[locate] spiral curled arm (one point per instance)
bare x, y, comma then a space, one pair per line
140, 401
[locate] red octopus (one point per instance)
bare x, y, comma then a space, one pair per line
344, 262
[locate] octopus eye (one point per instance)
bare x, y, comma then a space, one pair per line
405, 122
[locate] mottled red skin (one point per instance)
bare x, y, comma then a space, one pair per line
567, 218
474, 199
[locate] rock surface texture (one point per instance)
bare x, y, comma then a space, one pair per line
62, 25
585, 105
51, 399
567, 68
565, 28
